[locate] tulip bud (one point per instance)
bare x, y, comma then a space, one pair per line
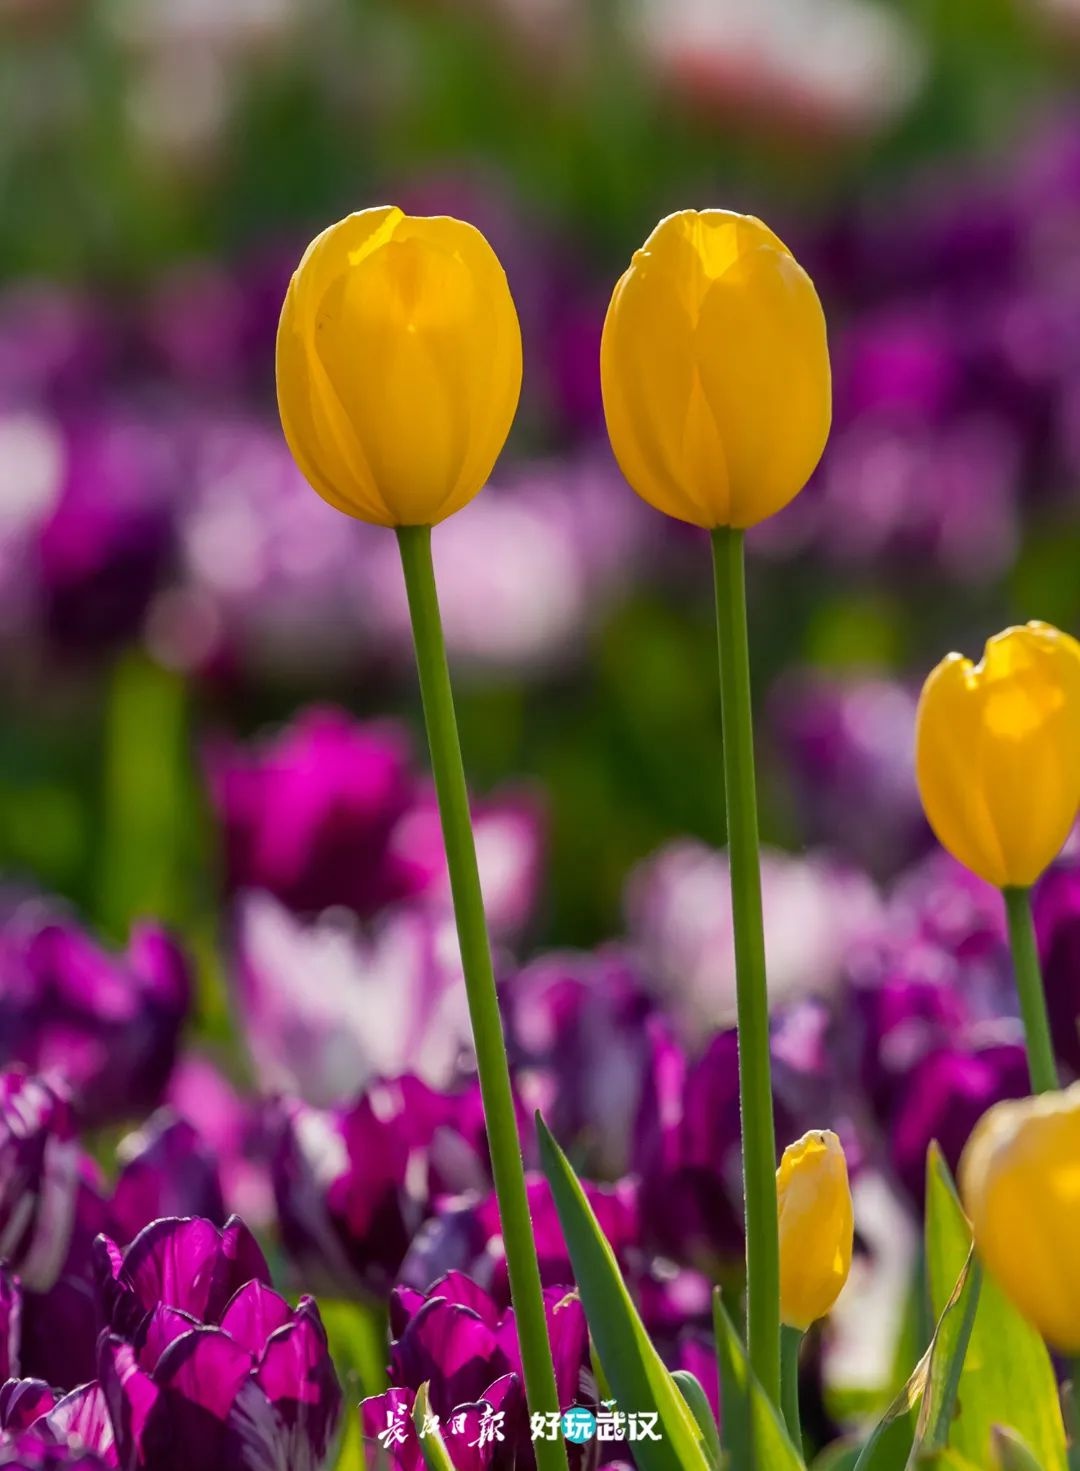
1018, 1179
997, 753
398, 365
817, 1227
715, 371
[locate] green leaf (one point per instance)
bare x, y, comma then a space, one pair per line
754, 1433
357, 1335
940, 1397
944, 1461
631, 1364
897, 1442
1008, 1378
692, 1392
840, 1456
1010, 1451
432, 1446
347, 1454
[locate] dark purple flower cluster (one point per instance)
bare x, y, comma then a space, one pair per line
198, 1362
459, 1342
354, 1185
895, 1022
108, 1025
149, 495
333, 813
955, 366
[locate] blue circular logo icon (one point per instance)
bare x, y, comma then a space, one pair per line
578, 1425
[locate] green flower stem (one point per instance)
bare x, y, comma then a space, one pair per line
1029, 985
755, 1084
1069, 1407
790, 1344
503, 1140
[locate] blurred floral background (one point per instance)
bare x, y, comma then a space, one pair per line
224, 908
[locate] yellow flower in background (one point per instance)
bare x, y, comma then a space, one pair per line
817, 1227
715, 371
398, 365
997, 753
1020, 1182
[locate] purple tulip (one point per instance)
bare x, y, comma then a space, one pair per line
40, 1163
849, 748
108, 542
327, 1009
233, 1128
10, 1324
272, 581
687, 1153
910, 494
167, 1169
1057, 923
310, 814
456, 1339
688, 1135
580, 1020
202, 1363
107, 1024
900, 1021
947, 926
484, 1435
943, 903
901, 362
679, 910
464, 1237
353, 1186
25, 1401
943, 1098
53, 343
60, 1322
508, 829
330, 813
44, 1429
28, 1452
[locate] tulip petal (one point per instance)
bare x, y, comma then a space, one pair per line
254, 1312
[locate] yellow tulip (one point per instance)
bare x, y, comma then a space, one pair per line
398, 365
1020, 1183
714, 366
997, 753
817, 1227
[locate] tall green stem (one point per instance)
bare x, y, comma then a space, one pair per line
790, 1344
755, 1083
503, 1140
1029, 986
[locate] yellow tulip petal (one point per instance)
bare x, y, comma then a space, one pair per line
1020, 1182
764, 358
661, 429
715, 370
817, 1227
947, 733
998, 753
399, 365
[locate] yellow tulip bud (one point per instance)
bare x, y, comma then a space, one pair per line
997, 753
817, 1227
714, 366
398, 365
1020, 1183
